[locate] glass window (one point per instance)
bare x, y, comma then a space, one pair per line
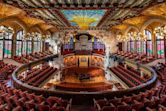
160, 46
8, 49
132, 46
128, 46
19, 39
6, 42
149, 42
24, 47
29, 45
139, 48
160, 49
1, 49
144, 47
37, 43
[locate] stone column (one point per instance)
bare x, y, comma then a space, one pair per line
154, 44
14, 44
135, 46
32, 45
43, 46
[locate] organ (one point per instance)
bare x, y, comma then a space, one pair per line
83, 50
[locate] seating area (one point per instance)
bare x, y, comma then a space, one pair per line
54, 53
150, 100
160, 68
12, 99
5, 70
142, 58
31, 57
130, 77
36, 76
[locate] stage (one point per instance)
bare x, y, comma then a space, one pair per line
83, 75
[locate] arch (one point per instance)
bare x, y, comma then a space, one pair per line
37, 27
131, 27
153, 19
16, 20
48, 32
118, 32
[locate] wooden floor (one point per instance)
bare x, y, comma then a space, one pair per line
82, 108
71, 75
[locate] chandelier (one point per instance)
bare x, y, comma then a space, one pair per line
122, 38
131, 36
6, 30
37, 36
161, 31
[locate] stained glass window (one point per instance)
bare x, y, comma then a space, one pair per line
8, 49
139, 47
6, 42
8, 45
37, 44
83, 18
24, 51
29, 45
149, 42
132, 46
144, 47
19, 38
1, 48
128, 46
160, 46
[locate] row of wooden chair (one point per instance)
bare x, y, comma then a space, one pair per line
133, 73
142, 58
31, 57
37, 76
129, 77
6, 70
12, 99
150, 99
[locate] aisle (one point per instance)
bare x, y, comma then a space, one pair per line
82, 108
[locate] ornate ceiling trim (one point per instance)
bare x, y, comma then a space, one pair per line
118, 10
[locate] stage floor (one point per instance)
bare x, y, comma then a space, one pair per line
80, 75
71, 80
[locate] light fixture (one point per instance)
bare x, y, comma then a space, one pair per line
6, 30
161, 31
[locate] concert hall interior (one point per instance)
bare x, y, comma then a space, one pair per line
82, 55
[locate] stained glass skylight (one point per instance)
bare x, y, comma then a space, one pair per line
83, 18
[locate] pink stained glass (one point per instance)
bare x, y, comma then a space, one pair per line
160, 49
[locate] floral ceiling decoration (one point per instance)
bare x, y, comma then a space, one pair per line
157, 10
116, 11
84, 18
8, 10
32, 21
137, 21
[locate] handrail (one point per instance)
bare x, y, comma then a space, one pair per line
19, 84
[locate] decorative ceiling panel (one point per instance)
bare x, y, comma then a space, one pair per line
45, 26
137, 21
32, 21
118, 10
159, 10
120, 27
83, 18
8, 10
